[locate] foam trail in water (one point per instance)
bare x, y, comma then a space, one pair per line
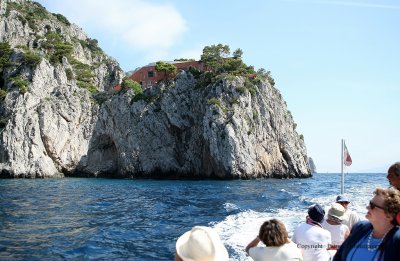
238, 230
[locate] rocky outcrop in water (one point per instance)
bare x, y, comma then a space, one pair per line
218, 131
59, 118
313, 168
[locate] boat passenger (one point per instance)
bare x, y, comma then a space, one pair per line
394, 175
349, 217
333, 223
200, 244
278, 246
379, 237
311, 238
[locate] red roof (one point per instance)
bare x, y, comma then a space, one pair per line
117, 87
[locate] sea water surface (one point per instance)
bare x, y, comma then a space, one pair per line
108, 219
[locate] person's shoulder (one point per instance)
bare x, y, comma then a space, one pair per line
361, 225
291, 244
397, 233
292, 248
344, 227
302, 226
254, 252
396, 238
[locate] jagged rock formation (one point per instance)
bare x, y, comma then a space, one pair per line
313, 168
53, 126
47, 111
219, 131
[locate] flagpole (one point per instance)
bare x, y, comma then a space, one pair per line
341, 165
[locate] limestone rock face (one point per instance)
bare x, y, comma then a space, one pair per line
313, 168
49, 127
46, 117
58, 117
219, 131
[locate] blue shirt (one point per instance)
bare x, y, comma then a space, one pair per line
361, 251
359, 232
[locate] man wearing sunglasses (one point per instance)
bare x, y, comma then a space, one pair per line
394, 175
349, 217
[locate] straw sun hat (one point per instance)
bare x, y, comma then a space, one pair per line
336, 212
201, 244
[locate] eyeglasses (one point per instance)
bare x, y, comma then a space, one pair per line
372, 205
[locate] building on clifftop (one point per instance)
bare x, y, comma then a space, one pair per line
148, 76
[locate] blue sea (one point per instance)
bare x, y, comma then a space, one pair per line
109, 219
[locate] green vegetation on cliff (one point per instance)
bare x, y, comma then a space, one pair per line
5, 52
168, 69
51, 37
222, 64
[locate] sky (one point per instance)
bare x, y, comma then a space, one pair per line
336, 62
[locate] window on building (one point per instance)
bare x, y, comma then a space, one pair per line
150, 74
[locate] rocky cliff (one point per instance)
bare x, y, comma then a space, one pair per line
313, 168
59, 118
50, 71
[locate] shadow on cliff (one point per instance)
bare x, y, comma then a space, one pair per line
100, 161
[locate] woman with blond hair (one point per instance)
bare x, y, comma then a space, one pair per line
278, 247
379, 237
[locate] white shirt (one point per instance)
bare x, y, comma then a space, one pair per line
337, 232
313, 241
288, 251
350, 218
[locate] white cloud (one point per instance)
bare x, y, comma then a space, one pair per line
139, 24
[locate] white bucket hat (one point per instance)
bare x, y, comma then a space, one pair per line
201, 244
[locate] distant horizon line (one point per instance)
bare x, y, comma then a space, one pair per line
350, 172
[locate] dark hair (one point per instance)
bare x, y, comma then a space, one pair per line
392, 201
273, 233
395, 169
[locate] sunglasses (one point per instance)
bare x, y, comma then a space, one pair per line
372, 205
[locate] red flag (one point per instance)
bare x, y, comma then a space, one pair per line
346, 157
